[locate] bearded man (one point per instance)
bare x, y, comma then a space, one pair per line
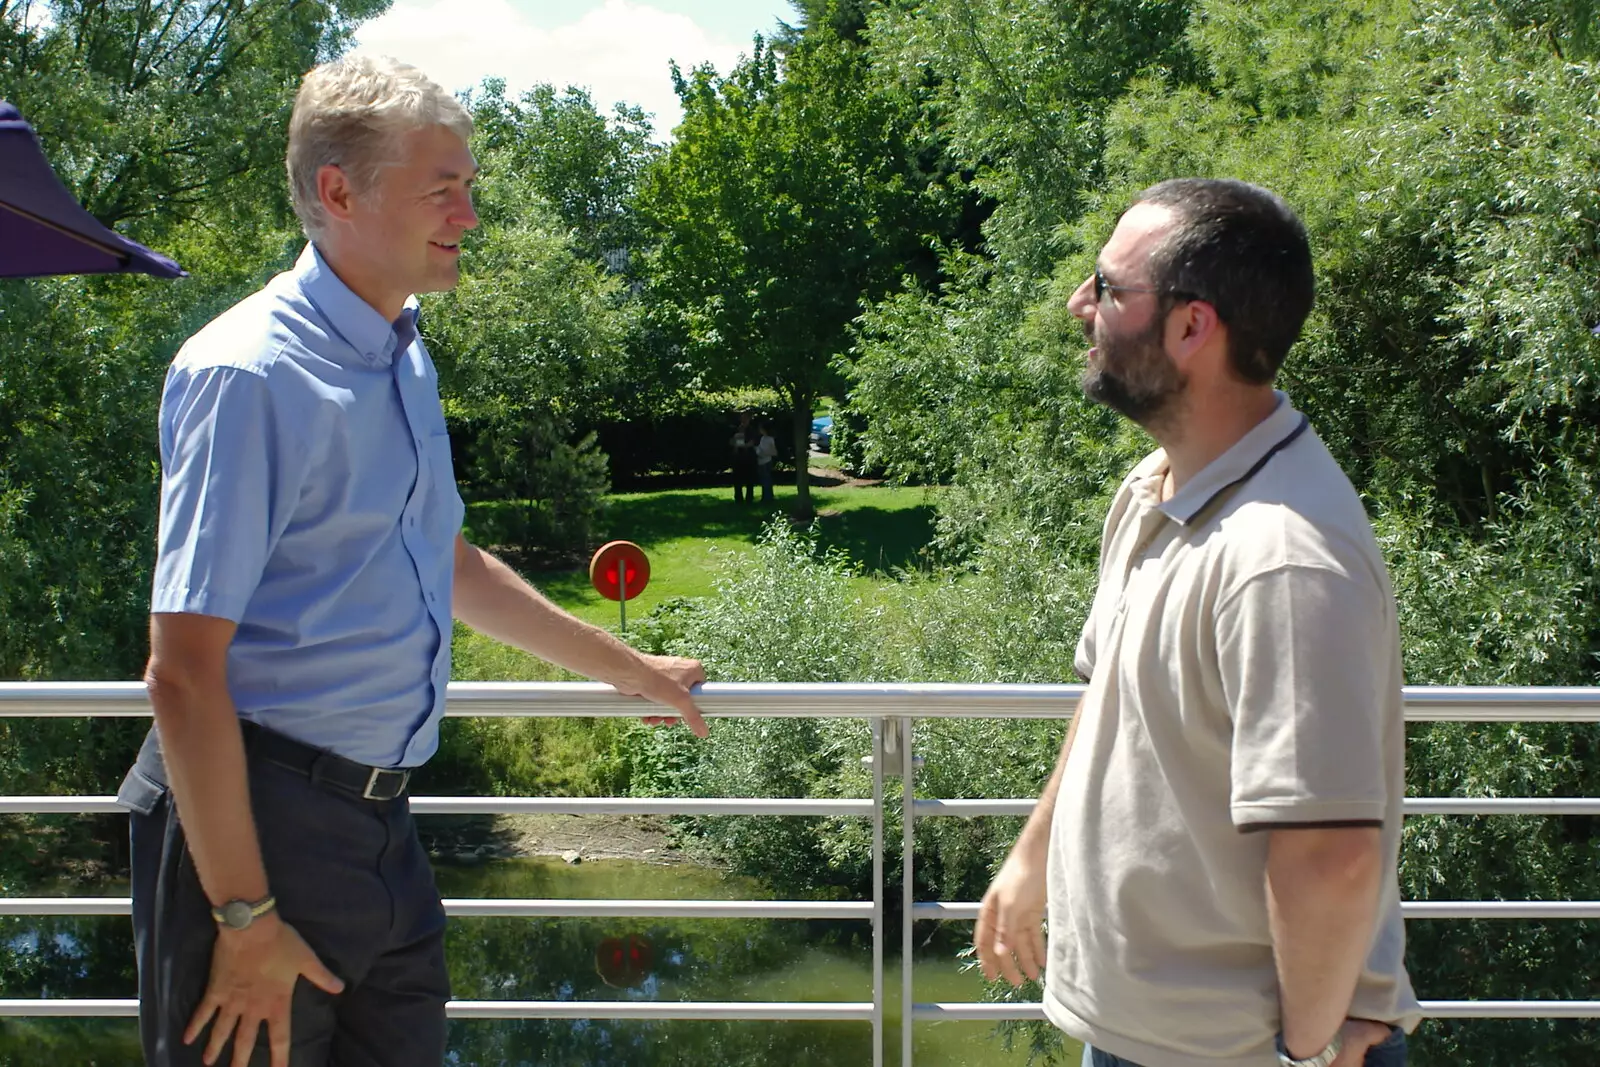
1217, 847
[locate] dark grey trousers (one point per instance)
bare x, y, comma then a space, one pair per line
349, 875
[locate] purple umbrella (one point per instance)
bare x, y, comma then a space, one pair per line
43, 230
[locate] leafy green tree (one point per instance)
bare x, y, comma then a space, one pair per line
530, 337
585, 166
153, 113
1442, 158
786, 200
1018, 90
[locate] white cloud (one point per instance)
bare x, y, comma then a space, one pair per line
618, 51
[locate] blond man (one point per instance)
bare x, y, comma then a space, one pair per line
310, 562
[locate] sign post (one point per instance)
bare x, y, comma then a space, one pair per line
620, 571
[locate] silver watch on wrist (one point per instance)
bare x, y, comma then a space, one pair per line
239, 914
1321, 1059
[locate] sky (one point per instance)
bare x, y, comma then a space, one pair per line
617, 49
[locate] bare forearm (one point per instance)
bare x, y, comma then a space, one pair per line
493, 599
1322, 902
204, 753
1035, 836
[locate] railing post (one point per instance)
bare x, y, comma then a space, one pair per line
877, 893
908, 896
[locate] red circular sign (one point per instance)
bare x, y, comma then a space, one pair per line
623, 962
617, 565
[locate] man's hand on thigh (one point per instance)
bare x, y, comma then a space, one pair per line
253, 975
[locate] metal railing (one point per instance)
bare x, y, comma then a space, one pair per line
893, 710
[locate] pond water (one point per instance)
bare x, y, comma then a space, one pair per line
580, 959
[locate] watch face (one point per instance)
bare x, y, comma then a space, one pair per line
236, 913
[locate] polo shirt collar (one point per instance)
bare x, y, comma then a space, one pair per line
1241, 461
374, 338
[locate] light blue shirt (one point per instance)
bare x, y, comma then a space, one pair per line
307, 494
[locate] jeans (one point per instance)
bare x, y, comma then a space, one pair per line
765, 470
349, 875
1391, 1053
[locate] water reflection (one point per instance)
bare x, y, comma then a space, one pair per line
533, 959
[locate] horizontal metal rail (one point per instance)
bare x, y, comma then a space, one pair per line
536, 908
965, 809
942, 911
775, 1011
971, 809
596, 700
816, 700
963, 910
1032, 1011
105, 805
771, 1011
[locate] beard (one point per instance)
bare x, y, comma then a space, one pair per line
1134, 376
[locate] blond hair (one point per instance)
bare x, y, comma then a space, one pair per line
351, 113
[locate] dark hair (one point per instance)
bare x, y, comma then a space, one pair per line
1242, 250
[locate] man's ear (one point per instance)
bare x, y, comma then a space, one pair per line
335, 192
1192, 326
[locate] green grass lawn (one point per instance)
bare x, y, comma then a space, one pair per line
686, 532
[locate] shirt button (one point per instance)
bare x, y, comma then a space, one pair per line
412, 520
430, 598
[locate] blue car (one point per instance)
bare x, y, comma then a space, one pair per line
822, 433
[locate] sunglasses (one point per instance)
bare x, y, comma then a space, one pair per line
1101, 287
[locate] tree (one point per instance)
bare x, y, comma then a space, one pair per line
787, 201
1018, 91
154, 112
585, 166
1442, 158
530, 337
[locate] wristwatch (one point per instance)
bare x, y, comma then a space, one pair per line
1321, 1059
238, 914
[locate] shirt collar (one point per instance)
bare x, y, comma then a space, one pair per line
357, 322
1247, 456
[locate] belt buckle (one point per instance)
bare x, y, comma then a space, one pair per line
373, 779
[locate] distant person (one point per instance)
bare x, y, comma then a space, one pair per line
309, 563
1218, 845
744, 443
766, 453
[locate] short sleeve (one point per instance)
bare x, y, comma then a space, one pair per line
228, 480
1301, 651
1083, 660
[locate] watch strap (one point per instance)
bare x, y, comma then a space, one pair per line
1321, 1059
257, 908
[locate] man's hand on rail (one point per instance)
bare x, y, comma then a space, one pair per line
493, 599
1009, 935
253, 975
668, 680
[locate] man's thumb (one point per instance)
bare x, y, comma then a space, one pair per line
318, 974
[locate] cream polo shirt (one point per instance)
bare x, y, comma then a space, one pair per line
1243, 661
